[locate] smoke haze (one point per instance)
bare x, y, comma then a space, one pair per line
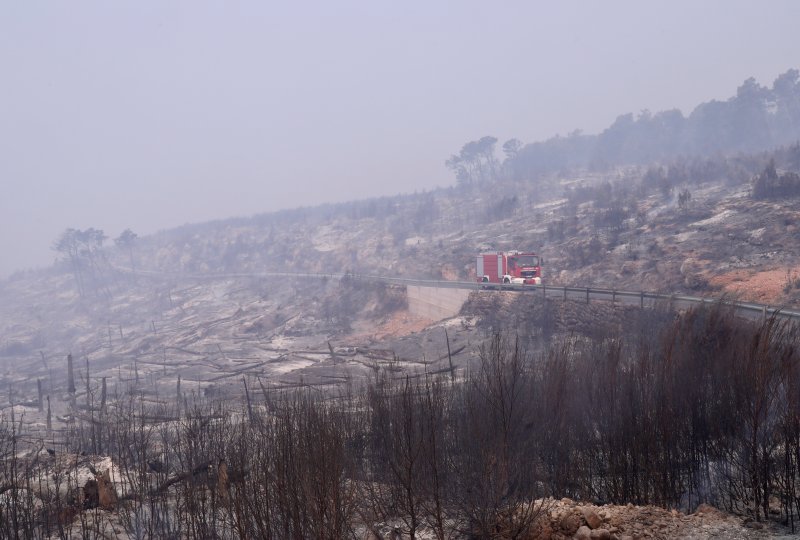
150, 115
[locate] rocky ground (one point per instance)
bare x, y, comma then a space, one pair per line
567, 519
100, 488
724, 243
187, 319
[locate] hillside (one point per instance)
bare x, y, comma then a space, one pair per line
192, 312
688, 226
757, 118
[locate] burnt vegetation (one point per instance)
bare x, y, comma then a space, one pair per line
707, 411
672, 410
772, 185
757, 118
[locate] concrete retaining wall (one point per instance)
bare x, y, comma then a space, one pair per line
434, 302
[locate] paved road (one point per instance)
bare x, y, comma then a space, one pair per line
641, 298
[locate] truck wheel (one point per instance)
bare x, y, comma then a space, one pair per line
506, 280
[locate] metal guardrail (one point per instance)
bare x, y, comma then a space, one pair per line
588, 293
629, 297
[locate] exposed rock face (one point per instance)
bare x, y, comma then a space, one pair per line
690, 270
99, 492
222, 480
107, 495
91, 497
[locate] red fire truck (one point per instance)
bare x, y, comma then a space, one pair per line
511, 267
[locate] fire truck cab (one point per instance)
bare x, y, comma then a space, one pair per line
510, 267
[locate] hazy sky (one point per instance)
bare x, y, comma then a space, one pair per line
149, 114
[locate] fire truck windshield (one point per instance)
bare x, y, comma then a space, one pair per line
527, 260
